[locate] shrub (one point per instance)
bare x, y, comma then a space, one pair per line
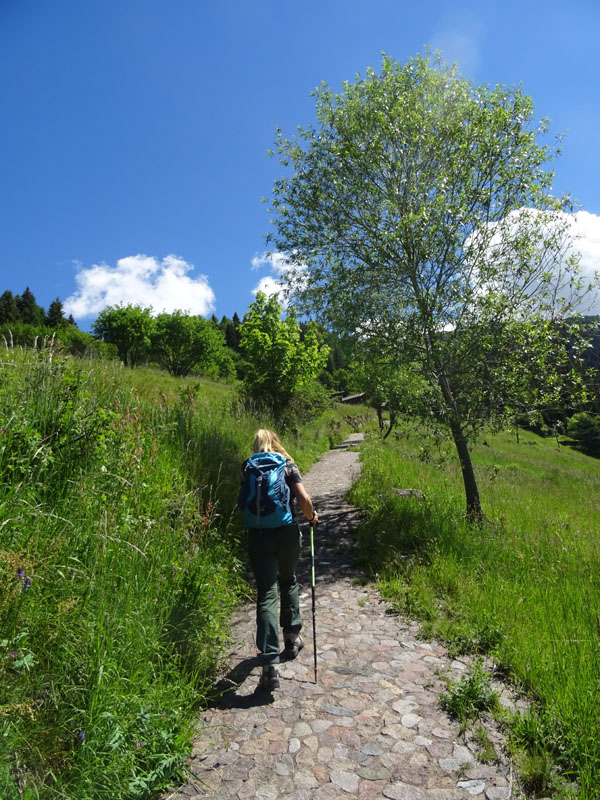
585, 429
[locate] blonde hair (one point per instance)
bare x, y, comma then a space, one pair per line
266, 441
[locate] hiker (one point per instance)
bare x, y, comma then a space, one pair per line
274, 543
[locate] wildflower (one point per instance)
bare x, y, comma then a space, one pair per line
175, 569
81, 736
20, 572
210, 595
220, 602
379, 495
13, 654
163, 578
26, 583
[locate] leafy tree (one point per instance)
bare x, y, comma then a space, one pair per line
418, 210
390, 387
9, 311
29, 311
280, 363
585, 429
183, 343
55, 317
129, 328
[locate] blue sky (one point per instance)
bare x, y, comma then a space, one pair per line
134, 132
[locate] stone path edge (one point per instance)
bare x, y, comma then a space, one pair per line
372, 727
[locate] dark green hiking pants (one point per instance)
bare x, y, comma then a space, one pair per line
274, 554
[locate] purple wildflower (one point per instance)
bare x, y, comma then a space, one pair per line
379, 495
210, 595
26, 583
21, 572
81, 736
13, 654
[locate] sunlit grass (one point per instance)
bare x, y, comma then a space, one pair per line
523, 586
120, 562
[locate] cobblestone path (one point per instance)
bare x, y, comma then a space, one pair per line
372, 726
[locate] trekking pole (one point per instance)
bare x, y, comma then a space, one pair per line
312, 558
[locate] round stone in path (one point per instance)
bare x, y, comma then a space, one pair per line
372, 726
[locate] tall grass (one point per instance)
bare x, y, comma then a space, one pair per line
524, 586
119, 565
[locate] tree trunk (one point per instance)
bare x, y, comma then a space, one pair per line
474, 512
393, 419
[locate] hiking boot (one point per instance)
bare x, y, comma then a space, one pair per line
293, 644
269, 678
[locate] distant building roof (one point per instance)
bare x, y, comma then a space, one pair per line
354, 398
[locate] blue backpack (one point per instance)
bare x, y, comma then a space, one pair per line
265, 496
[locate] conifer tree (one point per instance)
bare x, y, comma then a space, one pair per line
55, 317
9, 312
29, 311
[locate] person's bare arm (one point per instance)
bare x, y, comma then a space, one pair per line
304, 502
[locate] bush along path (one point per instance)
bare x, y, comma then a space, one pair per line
374, 725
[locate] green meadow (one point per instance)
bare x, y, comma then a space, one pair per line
524, 586
121, 558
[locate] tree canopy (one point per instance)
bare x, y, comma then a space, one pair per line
55, 317
281, 361
129, 328
182, 342
29, 311
418, 215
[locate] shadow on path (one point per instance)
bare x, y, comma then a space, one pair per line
372, 726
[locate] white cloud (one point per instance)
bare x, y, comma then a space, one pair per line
273, 284
586, 228
270, 286
277, 261
141, 280
569, 234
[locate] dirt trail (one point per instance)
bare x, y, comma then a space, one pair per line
372, 727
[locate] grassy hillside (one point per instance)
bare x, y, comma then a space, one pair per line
524, 586
120, 561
